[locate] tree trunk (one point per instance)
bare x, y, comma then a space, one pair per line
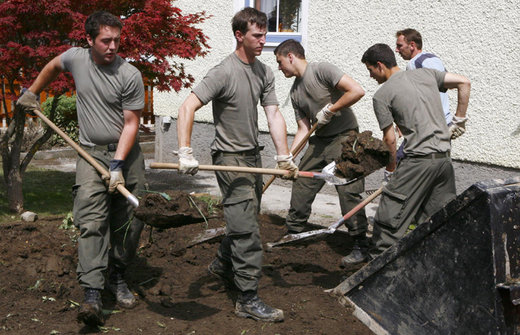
14, 191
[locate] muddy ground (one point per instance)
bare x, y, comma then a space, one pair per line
39, 292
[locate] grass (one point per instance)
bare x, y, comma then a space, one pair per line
45, 192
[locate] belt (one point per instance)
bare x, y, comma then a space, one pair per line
106, 147
433, 155
250, 152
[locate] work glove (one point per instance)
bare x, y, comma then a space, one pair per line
116, 175
187, 163
324, 115
386, 176
28, 101
458, 127
285, 162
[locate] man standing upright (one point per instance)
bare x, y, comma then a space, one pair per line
322, 93
424, 179
110, 97
235, 86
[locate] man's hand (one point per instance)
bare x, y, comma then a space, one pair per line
28, 101
324, 115
116, 175
285, 162
187, 163
458, 127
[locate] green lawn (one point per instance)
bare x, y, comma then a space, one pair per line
46, 192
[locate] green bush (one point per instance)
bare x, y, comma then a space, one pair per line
66, 118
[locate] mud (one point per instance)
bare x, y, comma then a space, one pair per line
361, 154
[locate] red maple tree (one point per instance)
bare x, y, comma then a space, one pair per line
156, 37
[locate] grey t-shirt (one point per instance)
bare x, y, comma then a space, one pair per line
411, 100
315, 89
235, 87
103, 92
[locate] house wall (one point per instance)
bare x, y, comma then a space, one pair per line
466, 35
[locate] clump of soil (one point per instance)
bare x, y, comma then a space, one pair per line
172, 208
361, 155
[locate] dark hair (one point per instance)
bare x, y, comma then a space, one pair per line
100, 18
379, 52
248, 15
411, 35
290, 46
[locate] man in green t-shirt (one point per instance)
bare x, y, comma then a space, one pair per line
110, 97
322, 93
235, 86
423, 181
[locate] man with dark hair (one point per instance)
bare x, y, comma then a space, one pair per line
110, 97
235, 86
424, 179
322, 93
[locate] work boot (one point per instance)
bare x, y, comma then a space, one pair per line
117, 285
222, 271
249, 305
359, 253
91, 311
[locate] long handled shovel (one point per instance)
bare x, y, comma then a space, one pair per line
314, 234
328, 177
295, 153
129, 196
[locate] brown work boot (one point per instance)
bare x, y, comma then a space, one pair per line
91, 311
249, 305
117, 285
359, 253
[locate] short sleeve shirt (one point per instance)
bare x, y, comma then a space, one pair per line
103, 92
235, 88
411, 100
314, 90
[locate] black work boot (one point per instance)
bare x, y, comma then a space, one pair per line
359, 253
117, 285
91, 311
249, 305
222, 271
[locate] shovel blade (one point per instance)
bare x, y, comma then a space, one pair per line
305, 236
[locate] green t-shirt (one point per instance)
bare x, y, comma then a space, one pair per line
411, 100
235, 87
315, 89
103, 92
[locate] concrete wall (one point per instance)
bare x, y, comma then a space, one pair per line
475, 38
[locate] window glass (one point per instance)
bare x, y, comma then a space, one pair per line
284, 16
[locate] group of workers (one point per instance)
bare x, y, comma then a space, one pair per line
110, 96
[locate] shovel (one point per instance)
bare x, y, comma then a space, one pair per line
104, 173
323, 175
314, 234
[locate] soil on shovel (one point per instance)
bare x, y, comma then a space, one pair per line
39, 292
361, 155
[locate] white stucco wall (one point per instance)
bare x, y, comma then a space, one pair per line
476, 39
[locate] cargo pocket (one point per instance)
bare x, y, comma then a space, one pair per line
391, 209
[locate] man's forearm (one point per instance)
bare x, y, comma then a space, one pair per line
48, 74
278, 129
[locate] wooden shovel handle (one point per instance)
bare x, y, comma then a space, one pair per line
277, 172
295, 152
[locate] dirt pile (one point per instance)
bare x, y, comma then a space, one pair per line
361, 155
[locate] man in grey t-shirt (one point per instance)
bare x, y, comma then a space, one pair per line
110, 97
235, 86
322, 94
424, 180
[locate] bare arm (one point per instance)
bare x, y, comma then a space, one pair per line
390, 141
463, 86
129, 133
353, 92
277, 128
304, 126
49, 72
185, 119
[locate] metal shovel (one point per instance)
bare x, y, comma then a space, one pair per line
314, 234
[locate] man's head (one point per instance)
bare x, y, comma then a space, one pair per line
287, 55
103, 35
380, 61
409, 43
249, 27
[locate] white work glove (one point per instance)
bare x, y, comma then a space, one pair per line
458, 127
386, 176
116, 175
187, 163
324, 115
28, 101
285, 162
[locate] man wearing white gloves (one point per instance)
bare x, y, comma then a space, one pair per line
110, 97
235, 86
322, 94
424, 180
